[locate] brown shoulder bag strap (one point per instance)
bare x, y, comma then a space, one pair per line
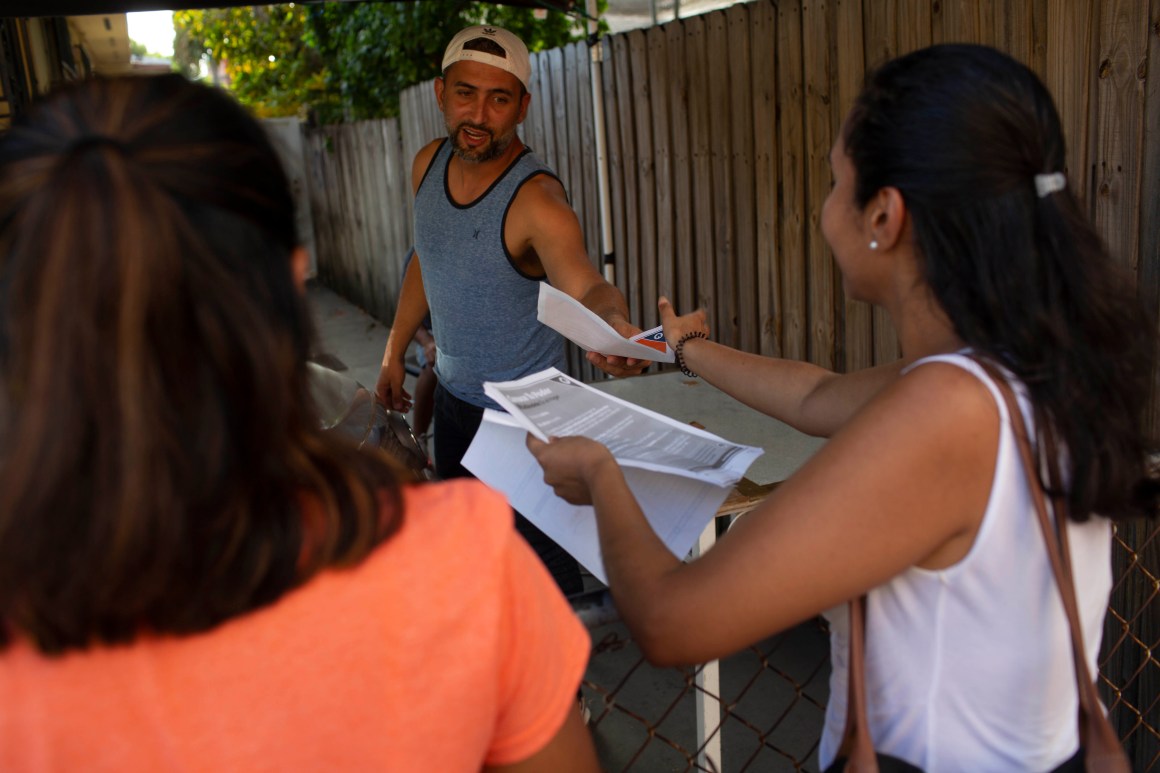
857, 746
1102, 749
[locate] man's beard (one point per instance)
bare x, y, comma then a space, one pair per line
492, 150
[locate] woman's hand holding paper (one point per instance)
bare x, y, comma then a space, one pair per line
571, 465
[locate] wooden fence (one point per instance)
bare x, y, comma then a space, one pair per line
718, 131
360, 199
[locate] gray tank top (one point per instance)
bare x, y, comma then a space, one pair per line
483, 309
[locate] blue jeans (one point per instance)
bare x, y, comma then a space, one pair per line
456, 423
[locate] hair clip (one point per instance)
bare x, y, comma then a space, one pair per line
1047, 184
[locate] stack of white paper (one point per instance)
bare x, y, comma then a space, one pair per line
679, 474
573, 320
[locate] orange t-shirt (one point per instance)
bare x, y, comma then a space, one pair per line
447, 648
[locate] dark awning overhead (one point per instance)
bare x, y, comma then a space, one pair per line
90, 7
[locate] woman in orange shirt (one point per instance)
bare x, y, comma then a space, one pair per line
192, 574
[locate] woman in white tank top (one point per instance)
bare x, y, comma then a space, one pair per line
950, 211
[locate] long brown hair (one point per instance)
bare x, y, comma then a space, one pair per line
161, 465
962, 131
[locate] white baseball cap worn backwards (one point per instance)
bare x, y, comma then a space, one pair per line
516, 60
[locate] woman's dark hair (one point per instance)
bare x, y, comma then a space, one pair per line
162, 468
961, 131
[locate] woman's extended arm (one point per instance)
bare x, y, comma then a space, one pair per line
905, 483
809, 398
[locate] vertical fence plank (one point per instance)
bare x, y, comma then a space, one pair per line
391, 210
1071, 72
937, 31
662, 159
642, 87
331, 225
630, 260
356, 247
322, 201
420, 119
547, 110
433, 125
584, 169
1013, 30
399, 194
558, 115
993, 23
338, 219
956, 21
313, 167
1037, 55
348, 156
344, 229
573, 150
914, 25
373, 188
699, 139
879, 31
744, 252
408, 121
559, 156
355, 184
857, 318
684, 297
724, 213
534, 122
588, 158
792, 171
314, 148
364, 183
613, 116
1120, 126
765, 153
817, 19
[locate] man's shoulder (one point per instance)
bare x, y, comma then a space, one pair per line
422, 162
541, 189
428, 151
533, 165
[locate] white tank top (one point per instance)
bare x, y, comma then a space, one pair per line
969, 668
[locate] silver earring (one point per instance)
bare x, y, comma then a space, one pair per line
873, 244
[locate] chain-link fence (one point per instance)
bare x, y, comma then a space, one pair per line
1129, 664
767, 712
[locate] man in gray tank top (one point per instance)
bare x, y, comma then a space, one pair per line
491, 222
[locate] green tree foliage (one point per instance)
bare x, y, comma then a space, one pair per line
260, 52
375, 50
342, 60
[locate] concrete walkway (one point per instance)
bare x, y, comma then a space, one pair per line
348, 339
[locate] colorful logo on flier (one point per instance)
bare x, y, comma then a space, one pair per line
654, 338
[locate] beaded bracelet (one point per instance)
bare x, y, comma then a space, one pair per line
680, 346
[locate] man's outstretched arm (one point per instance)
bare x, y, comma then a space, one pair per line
541, 213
